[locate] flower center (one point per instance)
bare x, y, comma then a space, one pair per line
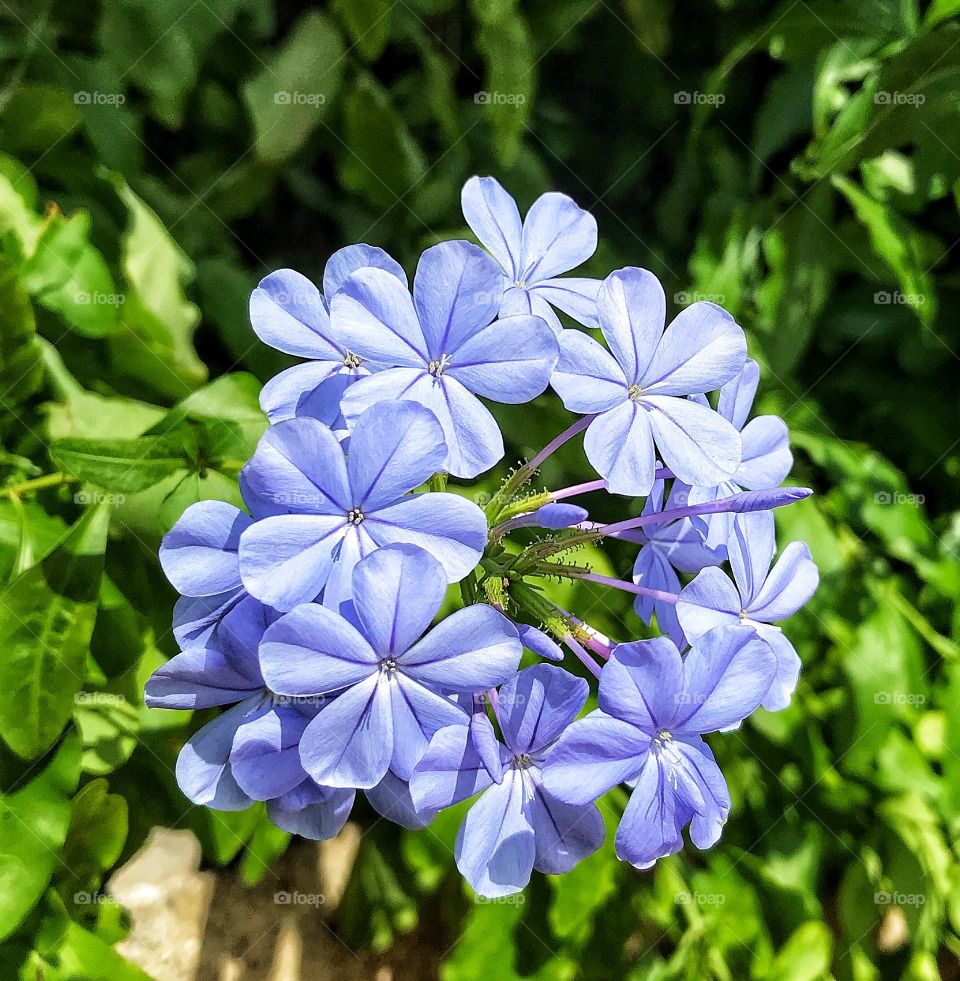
437, 368
355, 516
662, 740
388, 666
351, 360
521, 284
634, 392
522, 761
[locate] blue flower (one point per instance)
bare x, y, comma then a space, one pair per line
759, 596
343, 509
517, 825
673, 545
766, 457
248, 753
392, 684
290, 314
443, 348
556, 237
654, 707
639, 390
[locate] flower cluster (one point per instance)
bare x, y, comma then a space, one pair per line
313, 616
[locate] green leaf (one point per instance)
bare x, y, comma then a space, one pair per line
896, 242
367, 23
806, 956
292, 94
157, 320
21, 367
124, 466
34, 818
47, 621
37, 116
98, 830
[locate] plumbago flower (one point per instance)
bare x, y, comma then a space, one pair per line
637, 390
758, 596
443, 347
320, 617
556, 237
290, 314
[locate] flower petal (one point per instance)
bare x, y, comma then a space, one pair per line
539, 642
265, 758
451, 528
398, 590
587, 377
350, 742
312, 389
196, 618
709, 601
696, 443
565, 834
736, 395
750, 549
346, 261
576, 296
451, 770
493, 217
199, 554
536, 705
471, 650
652, 820
700, 767
557, 236
314, 651
391, 799
372, 315
703, 348
285, 560
653, 570
766, 453
495, 847
418, 713
593, 755
725, 677
792, 581
640, 683
510, 360
299, 467
312, 812
619, 446
394, 448
632, 310
288, 313
200, 677
457, 291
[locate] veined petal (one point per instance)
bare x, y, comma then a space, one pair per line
594, 754
725, 677
701, 349
298, 466
640, 683
199, 554
710, 600
766, 453
736, 395
451, 528
314, 651
587, 377
632, 309
346, 261
510, 360
397, 590
791, 582
350, 742
373, 315
535, 706
700, 767
619, 446
495, 847
288, 313
299, 391
451, 770
653, 818
355, 545
653, 570
200, 677
286, 559
265, 758
697, 444
418, 713
311, 811
576, 296
750, 549
457, 291
390, 385
394, 448
493, 216
528, 302
391, 799
565, 833
557, 236
471, 650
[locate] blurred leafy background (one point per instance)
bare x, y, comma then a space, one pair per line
797, 163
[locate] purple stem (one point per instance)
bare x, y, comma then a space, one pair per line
736, 503
627, 587
594, 640
587, 660
558, 441
594, 485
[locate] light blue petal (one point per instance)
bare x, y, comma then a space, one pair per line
587, 377
557, 236
288, 313
199, 554
619, 446
346, 261
535, 706
493, 216
641, 682
632, 310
